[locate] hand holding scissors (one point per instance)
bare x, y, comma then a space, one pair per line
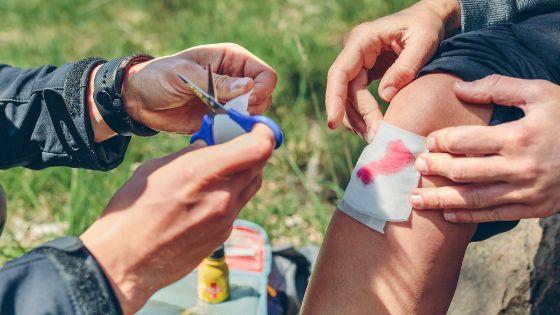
245, 121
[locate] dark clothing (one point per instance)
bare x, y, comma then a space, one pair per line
44, 121
527, 50
477, 14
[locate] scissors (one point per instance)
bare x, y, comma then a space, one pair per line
245, 121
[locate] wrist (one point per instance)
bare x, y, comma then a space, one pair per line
449, 11
119, 268
131, 98
101, 130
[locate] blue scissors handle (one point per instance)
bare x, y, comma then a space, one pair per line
247, 122
205, 133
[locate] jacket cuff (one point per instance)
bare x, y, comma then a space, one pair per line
101, 156
477, 14
87, 285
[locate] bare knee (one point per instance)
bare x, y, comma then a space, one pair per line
429, 104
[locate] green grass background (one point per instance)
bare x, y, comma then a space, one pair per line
299, 38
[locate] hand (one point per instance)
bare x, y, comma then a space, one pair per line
157, 98
506, 172
173, 212
395, 48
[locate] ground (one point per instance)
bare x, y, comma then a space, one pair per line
299, 38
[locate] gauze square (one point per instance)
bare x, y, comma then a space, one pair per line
224, 128
383, 178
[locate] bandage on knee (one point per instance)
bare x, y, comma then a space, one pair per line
383, 178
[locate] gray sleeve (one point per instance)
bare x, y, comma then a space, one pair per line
477, 14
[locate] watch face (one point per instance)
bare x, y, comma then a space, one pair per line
103, 98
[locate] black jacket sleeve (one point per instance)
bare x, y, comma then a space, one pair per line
55, 279
44, 119
477, 14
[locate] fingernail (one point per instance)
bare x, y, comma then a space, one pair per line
389, 92
239, 83
450, 216
416, 201
252, 99
421, 165
431, 143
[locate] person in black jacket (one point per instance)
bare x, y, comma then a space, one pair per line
171, 213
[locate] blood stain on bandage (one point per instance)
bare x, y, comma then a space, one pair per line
398, 157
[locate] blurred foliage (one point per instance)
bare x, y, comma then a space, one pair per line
299, 38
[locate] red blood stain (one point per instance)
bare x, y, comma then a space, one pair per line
398, 156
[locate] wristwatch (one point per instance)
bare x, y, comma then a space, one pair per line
107, 94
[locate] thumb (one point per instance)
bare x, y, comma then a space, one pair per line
228, 87
234, 156
500, 90
405, 69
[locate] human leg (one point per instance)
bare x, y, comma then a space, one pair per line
412, 268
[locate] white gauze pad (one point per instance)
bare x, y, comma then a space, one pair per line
384, 177
226, 129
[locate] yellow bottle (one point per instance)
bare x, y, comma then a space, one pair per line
213, 278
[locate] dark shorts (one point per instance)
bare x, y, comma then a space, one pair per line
528, 50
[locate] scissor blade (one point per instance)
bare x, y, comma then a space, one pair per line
211, 85
214, 107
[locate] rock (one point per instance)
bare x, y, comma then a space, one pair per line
517, 272
545, 276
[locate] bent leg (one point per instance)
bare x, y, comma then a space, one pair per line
414, 267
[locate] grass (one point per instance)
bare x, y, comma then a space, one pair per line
299, 38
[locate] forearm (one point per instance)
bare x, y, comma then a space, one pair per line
477, 14
47, 120
413, 267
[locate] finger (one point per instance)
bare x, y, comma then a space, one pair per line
258, 109
228, 88
365, 105
508, 212
465, 169
239, 154
265, 82
249, 192
413, 57
471, 196
347, 65
354, 122
239, 181
469, 139
501, 90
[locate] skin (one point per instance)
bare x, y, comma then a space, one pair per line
393, 48
173, 212
188, 199
413, 268
154, 95
513, 173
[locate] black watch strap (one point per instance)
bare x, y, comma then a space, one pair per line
107, 94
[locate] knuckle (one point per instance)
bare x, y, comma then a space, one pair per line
537, 88
223, 201
473, 199
524, 136
495, 215
458, 171
439, 202
530, 169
